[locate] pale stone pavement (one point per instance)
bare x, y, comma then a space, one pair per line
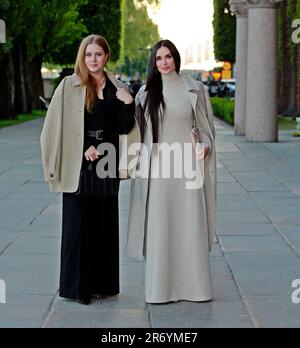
253, 264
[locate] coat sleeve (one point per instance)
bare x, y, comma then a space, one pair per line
211, 185
210, 170
128, 162
208, 128
209, 111
51, 136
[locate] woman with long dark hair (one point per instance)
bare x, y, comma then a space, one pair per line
174, 229
88, 109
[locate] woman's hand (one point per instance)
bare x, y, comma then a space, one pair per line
123, 95
202, 151
92, 153
206, 150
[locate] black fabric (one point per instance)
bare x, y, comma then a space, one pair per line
90, 247
90, 225
119, 117
91, 185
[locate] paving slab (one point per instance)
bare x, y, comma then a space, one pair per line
255, 258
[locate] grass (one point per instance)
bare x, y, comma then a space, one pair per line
286, 123
23, 118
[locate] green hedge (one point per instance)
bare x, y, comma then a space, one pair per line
223, 108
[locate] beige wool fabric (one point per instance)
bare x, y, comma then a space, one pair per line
169, 225
63, 134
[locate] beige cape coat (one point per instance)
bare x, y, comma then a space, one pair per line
63, 135
201, 105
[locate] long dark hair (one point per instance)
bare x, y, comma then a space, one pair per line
154, 99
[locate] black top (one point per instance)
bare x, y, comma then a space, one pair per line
110, 115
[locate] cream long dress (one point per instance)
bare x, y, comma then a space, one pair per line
177, 249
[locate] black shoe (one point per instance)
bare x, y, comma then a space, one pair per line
82, 301
97, 296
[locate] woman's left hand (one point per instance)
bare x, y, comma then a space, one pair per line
206, 150
202, 151
123, 95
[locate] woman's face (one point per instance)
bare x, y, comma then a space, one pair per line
95, 58
164, 61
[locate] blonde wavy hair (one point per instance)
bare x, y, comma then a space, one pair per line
82, 71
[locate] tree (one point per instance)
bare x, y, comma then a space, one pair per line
139, 34
98, 17
39, 30
34, 28
289, 59
224, 24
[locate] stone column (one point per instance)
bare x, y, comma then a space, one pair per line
261, 116
240, 9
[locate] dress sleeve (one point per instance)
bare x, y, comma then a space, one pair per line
125, 117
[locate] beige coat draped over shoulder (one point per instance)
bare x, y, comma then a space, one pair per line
62, 136
202, 109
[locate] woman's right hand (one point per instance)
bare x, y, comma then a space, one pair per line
92, 153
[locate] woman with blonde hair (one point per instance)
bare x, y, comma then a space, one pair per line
89, 109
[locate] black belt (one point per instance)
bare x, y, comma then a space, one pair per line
98, 134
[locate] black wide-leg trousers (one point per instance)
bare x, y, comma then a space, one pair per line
89, 246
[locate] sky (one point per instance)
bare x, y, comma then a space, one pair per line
185, 22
